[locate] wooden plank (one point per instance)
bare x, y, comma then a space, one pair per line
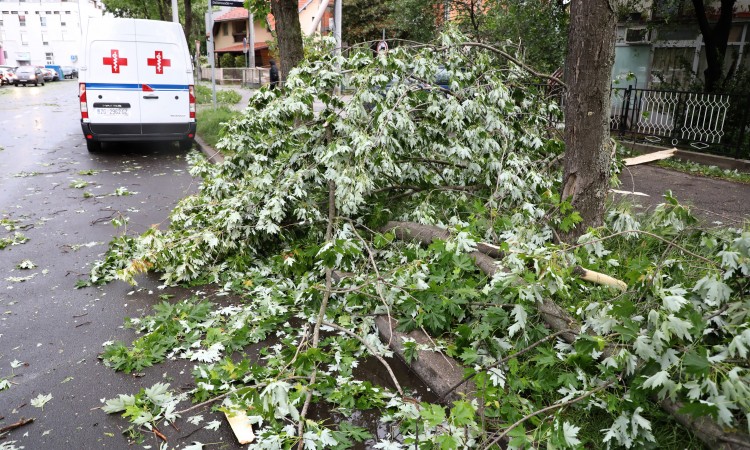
649, 157
241, 426
617, 191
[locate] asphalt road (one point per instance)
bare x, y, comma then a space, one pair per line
51, 329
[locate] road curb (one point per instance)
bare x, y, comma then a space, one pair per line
212, 154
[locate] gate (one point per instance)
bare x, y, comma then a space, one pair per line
703, 122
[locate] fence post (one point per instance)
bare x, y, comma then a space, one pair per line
743, 124
625, 110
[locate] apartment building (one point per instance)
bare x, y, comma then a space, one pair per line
40, 32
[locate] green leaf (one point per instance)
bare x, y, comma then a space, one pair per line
462, 413
359, 434
446, 442
469, 356
433, 414
411, 351
696, 364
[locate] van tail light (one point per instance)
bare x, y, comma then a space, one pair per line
82, 100
191, 95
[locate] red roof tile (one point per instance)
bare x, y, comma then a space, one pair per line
233, 14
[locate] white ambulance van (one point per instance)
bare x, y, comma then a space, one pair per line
136, 83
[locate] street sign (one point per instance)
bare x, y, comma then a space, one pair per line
227, 3
244, 45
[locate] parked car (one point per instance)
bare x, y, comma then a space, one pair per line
3, 77
9, 74
70, 72
28, 75
58, 71
48, 74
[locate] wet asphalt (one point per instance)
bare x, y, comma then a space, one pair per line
51, 331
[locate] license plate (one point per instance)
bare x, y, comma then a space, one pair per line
113, 111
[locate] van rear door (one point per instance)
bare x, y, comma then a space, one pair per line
164, 75
113, 96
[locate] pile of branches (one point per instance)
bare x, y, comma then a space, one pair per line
458, 138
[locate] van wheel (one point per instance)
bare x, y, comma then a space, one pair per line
186, 144
93, 146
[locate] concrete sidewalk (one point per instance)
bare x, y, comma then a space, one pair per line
245, 92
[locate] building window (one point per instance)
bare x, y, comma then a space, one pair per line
50, 58
43, 21
24, 39
62, 24
22, 21
45, 39
225, 28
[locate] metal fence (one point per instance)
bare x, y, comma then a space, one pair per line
703, 122
251, 77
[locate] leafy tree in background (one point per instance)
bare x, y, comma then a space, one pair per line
415, 20
162, 10
539, 26
365, 20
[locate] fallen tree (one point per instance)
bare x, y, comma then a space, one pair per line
474, 159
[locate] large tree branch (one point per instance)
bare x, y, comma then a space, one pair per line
559, 320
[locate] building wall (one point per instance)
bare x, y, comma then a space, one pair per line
671, 54
50, 32
225, 40
307, 14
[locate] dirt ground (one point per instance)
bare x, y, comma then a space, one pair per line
710, 199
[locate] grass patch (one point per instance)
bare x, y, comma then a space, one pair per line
210, 123
203, 96
705, 171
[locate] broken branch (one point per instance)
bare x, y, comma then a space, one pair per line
321, 313
13, 426
599, 278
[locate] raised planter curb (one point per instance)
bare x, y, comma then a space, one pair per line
213, 155
438, 371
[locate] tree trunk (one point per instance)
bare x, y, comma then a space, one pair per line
189, 21
715, 40
288, 34
588, 68
160, 5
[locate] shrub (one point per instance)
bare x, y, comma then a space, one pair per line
226, 60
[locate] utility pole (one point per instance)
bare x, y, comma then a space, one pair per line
251, 37
175, 13
337, 35
210, 47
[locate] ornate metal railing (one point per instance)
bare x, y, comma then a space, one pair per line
711, 123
